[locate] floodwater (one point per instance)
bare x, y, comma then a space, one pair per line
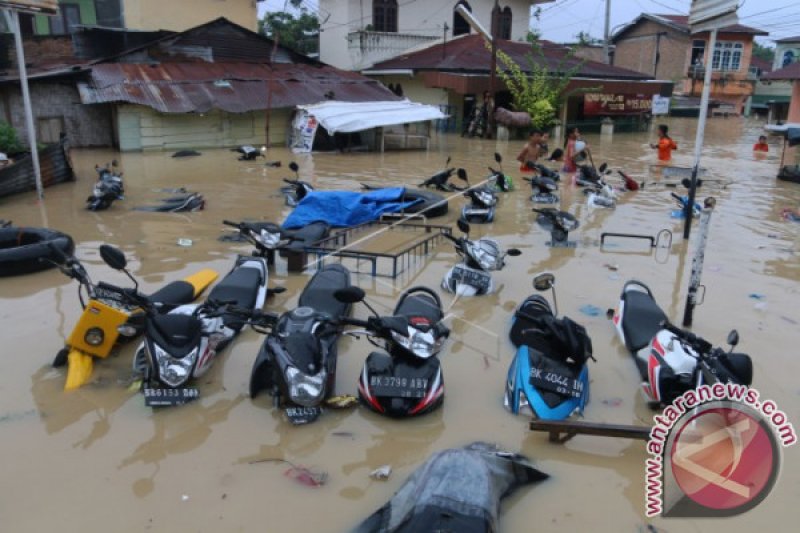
98, 460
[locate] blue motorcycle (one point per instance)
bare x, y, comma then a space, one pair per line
548, 374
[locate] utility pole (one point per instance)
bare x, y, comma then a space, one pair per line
657, 57
493, 69
12, 21
607, 35
444, 40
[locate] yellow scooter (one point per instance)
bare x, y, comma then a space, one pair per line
95, 334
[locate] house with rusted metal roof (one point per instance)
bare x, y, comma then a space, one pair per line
214, 85
663, 46
456, 72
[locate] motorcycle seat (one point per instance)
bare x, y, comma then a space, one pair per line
240, 286
641, 320
318, 294
176, 292
179, 332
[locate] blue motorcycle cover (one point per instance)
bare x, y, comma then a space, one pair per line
454, 490
345, 209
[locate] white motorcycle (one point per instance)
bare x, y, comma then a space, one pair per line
472, 275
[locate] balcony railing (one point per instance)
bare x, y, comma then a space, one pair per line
369, 47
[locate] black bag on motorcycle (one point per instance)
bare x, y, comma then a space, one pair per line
558, 338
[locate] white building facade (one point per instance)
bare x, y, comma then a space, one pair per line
356, 34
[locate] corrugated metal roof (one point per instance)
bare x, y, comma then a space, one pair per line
195, 86
469, 54
683, 22
790, 72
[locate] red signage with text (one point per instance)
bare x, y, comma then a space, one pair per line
616, 104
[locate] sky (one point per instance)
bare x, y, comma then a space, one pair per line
561, 20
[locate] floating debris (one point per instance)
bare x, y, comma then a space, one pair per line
185, 242
343, 401
186, 153
299, 473
613, 267
756, 296
590, 310
382, 472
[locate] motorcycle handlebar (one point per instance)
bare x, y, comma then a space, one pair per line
232, 224
697, 342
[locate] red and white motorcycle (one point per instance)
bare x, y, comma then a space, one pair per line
671, 360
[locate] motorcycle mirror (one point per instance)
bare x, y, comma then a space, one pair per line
462, 174
686, 182
350, 295
733, 338
603, 167
513, 252
447, 163
114, 163
544, 281
463, 225
498, 157
113, 257
293, 167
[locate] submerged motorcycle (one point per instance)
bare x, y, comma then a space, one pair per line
472, 275
558, 223
268, 237
295, 189
182, 344
297, 361
481, 207
548, 374
544, 185
106, 307
670, 360
441, 180
109, 187
406, 378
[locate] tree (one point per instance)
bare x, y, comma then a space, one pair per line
301, 33
537, 90
763, 52
584, 39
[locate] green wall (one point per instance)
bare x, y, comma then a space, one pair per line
88, 16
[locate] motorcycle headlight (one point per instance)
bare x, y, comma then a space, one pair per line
486, 253
421, 344
94, 337
269, 239
486, 198
305, 390
126, 330
174, 371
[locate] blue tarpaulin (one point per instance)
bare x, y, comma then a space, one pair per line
346, 208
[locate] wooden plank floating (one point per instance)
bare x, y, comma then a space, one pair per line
562, 430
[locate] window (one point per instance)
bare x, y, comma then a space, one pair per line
109, 13
788, 58
504, 24
460, 25
698, 51
727, 56
64, 22
384, 15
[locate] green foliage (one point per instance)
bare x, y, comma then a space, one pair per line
301, 34
536, 90
584, 39
763, 52
533, 36
9, 141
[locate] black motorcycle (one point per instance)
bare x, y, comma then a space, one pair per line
295, 189
406, 378
109, 187
269, 237
297, 361
440, 180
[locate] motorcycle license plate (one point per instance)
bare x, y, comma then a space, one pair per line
164, 397
558, 383
303, 415
394, 387
475, 278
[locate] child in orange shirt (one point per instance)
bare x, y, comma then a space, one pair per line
761, 145
665, 144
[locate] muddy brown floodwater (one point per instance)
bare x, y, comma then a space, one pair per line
98, 460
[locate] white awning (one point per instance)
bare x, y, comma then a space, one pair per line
347, 117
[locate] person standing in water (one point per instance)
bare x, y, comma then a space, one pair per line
531, 151
571, 150
665, 144
761, 145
